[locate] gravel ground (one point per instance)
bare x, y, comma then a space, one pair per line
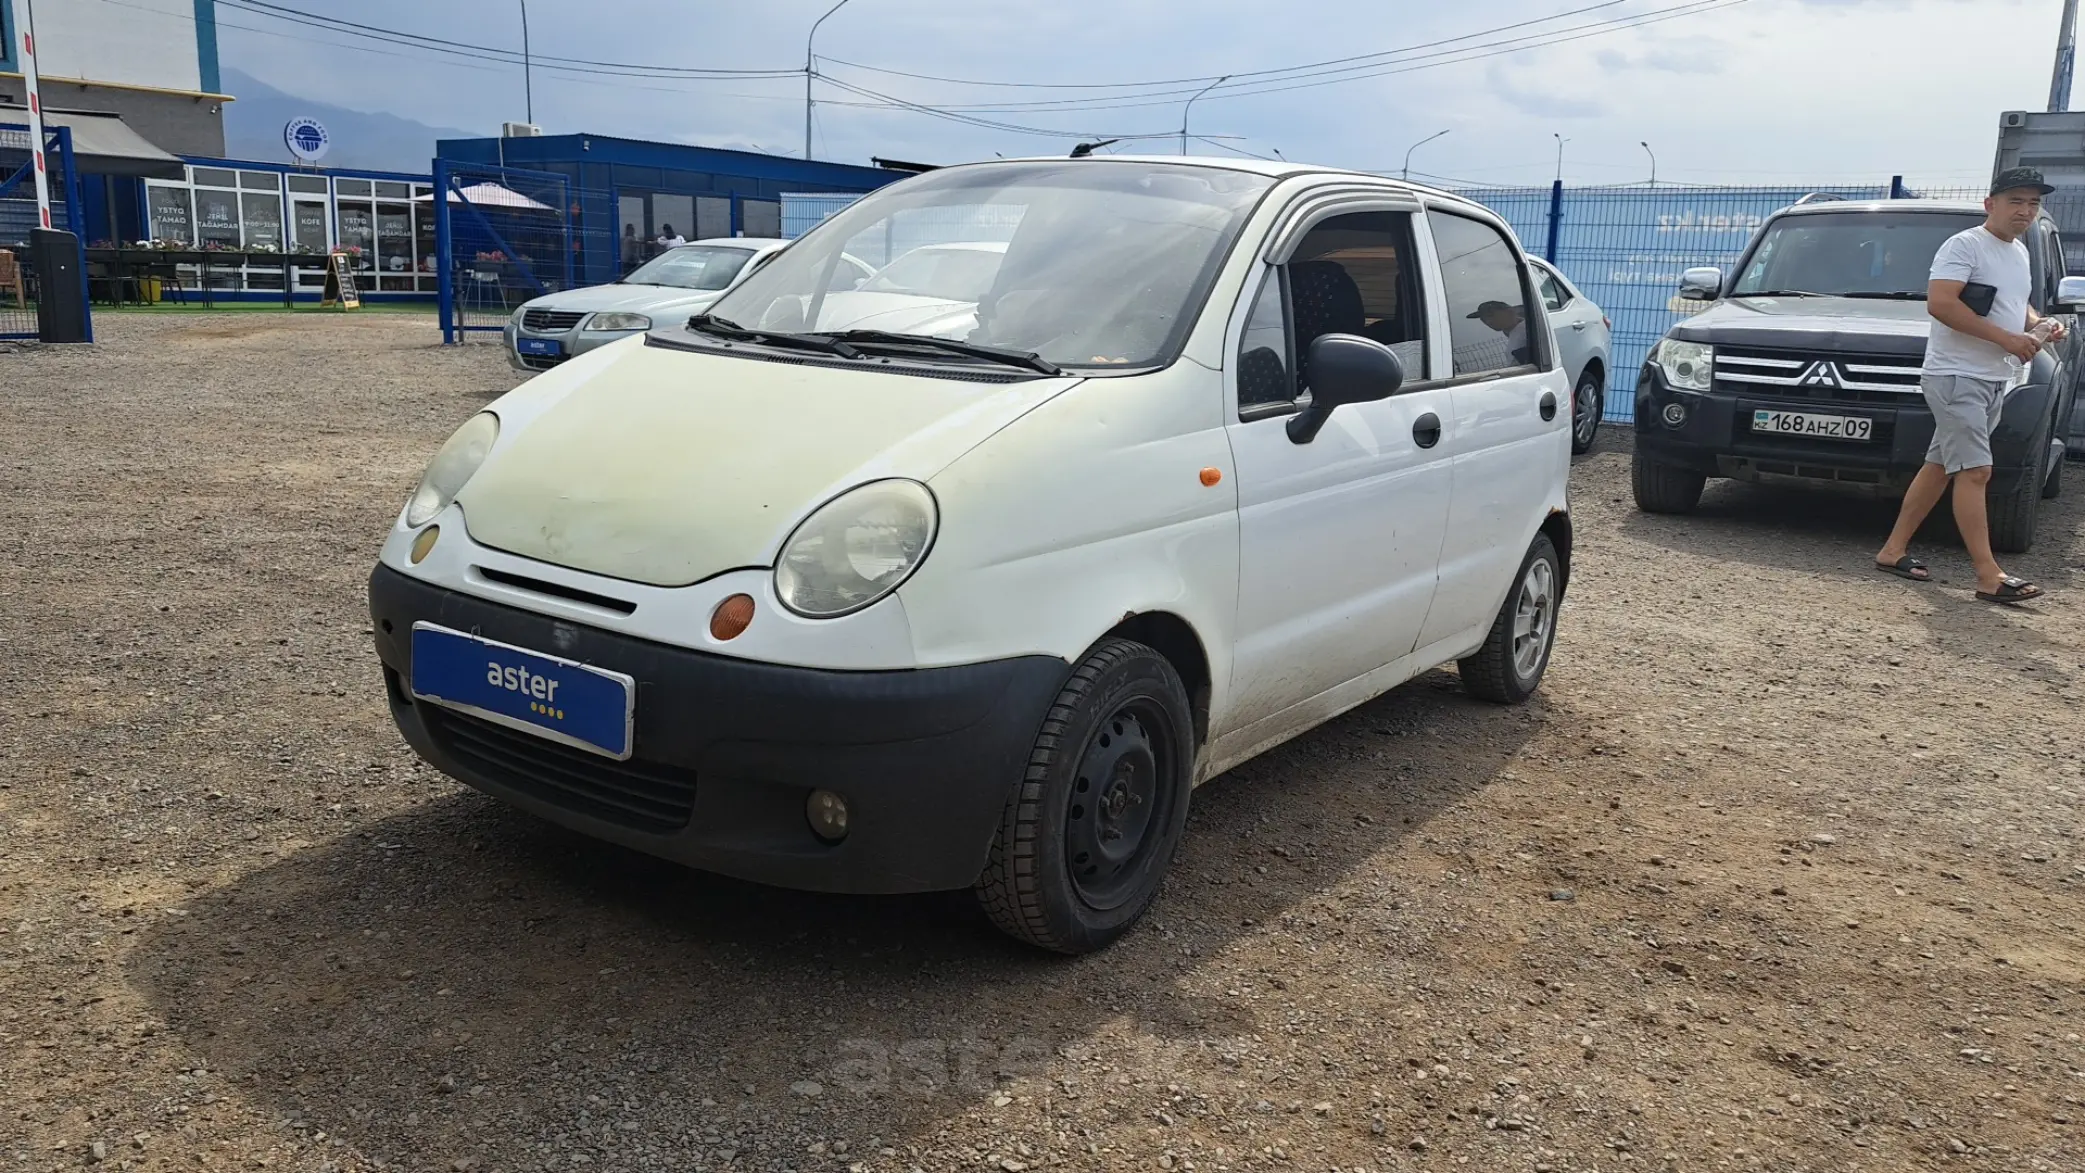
1781, 871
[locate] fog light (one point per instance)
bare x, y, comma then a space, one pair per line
731, 618
1675, 414
828, 814
423, 545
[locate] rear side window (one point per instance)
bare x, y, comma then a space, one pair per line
1553, 296
1489, 317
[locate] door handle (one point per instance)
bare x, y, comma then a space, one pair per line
1578, 325
1426, 430
1549, 406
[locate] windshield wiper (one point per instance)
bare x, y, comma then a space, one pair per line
725, 328
1891, 295
1782, 293
999, 354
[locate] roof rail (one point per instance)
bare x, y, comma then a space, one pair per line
1819, 197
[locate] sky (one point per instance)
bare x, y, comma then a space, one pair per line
1741, 91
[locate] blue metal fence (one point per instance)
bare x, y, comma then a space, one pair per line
502, 235
18, 218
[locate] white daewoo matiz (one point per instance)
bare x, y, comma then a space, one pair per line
1210, 453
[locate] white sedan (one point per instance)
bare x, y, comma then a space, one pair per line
1585, 342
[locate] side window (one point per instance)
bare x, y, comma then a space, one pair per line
1553, 296
2052, 248
1351, 274
1265, 374
1487, 288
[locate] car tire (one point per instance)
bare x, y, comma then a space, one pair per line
1509, 667
1588, 402
1663, 488
2013, 517
2052, 483
1089, 832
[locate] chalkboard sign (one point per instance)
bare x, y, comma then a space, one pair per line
340, 284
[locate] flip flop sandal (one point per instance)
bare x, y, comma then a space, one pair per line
1906, 567
2011, 591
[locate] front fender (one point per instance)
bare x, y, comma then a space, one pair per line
2022, 426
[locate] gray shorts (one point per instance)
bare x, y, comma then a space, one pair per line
1965, 411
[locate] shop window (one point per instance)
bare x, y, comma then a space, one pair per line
761, 217
307, 184
213, 177
351, 187
387, 190
260, 213
260, 181
171, 212
355, 226
712, 218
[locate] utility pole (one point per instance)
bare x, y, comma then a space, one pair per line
1654, 162
1561, 140
811, 71
2066, 58
25, 28
1414, 147
528, 85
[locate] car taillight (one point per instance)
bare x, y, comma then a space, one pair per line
1607, 321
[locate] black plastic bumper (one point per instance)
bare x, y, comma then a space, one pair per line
1715, 437
727, 752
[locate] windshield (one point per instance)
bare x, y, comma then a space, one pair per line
1084, 262
952, 274
692, 266
1876, 254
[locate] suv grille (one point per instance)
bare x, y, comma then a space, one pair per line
1839, 378
643, 796
549, 321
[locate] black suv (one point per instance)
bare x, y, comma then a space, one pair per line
1807, 365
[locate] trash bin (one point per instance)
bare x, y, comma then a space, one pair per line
61, 303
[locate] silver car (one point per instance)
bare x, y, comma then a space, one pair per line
682, 281
1585, 341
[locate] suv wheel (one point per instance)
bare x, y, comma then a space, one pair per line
1586, 405
1509, 666
2052, 485
1662, 488
1089, 832
2013, 516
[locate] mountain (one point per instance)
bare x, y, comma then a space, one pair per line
375, 142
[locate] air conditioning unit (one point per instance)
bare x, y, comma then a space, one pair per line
2013, 119
520, 130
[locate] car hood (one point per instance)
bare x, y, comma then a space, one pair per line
664, 466
639, 299
1855, 324
902, 313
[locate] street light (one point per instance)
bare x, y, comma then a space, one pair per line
1416, 146
1191, 105
1561, 140
811, 71
1654, 162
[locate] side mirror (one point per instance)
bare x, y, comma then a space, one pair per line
2070, 296
1702, 284
1344, 368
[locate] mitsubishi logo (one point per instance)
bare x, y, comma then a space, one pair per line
1821, 374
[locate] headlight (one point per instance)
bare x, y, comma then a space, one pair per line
1687, 365
619, 322
856, 548
452, 467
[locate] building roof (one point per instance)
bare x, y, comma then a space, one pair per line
103, 144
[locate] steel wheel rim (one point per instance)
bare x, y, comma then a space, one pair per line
1588, 409
1120, 804
1534, 617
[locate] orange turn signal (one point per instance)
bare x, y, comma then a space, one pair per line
423, 543
1210, 476
731, 618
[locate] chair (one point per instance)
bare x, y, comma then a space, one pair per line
1325, 300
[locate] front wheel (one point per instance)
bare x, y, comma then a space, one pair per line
1587, 403
1662, 488
2013, 516
1088, 833
1509, 667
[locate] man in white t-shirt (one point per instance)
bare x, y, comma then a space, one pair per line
1970, 358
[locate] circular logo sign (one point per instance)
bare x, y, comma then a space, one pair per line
306, 138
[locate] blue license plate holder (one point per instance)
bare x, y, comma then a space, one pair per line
561, 700
546, 347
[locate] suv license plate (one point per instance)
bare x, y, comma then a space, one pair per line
1824, 427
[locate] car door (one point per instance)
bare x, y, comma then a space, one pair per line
2070, 352
1513, 416
1338, 537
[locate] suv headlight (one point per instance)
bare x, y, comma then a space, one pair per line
619, 322
856, 548
1687, 366
452, 467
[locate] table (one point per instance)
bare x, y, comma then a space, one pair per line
139, 261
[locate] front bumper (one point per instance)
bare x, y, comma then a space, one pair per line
728, 751
571, 344
1715, 437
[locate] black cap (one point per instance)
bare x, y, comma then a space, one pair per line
1491, 307
2018, 177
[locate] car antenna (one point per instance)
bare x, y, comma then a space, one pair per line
1085, 149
